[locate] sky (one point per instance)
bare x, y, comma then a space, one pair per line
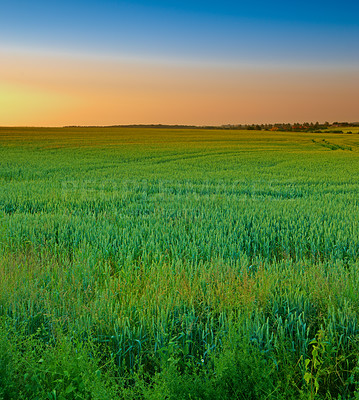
178, 62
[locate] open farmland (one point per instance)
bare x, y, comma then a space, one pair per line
173, 263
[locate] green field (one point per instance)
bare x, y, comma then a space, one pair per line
178, 264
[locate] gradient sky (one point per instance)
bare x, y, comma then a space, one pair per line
178, 62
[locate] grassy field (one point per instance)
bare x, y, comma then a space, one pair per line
178, 264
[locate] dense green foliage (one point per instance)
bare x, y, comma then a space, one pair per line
179, 264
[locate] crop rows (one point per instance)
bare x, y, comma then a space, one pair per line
177, 247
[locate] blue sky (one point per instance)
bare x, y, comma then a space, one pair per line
243, 31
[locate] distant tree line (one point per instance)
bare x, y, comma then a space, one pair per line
296, 127
285, 127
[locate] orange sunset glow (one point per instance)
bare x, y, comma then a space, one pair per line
63, 90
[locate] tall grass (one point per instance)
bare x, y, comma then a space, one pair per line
185, 262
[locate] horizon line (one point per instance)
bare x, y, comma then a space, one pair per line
189, 126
